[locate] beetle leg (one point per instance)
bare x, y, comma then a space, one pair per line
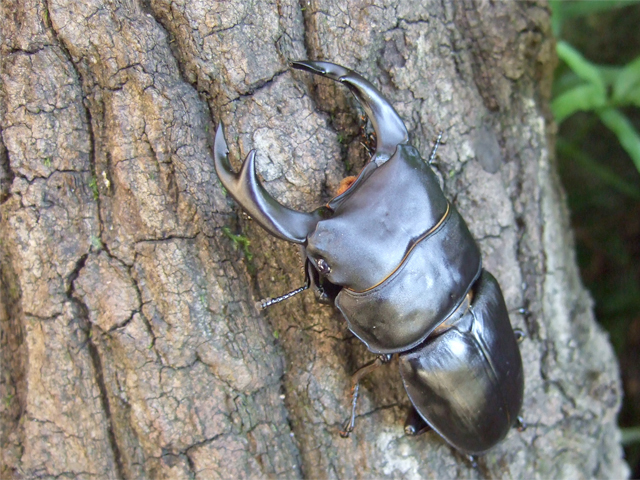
415, 425
350, 423
262, 304
432, 157
521, 425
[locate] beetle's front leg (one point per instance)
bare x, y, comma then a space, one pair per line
350, 424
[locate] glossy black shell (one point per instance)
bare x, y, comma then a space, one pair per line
404, 256
467, 382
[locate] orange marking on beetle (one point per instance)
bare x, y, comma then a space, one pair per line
345, 184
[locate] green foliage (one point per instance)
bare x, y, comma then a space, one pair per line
564, 10
627, 135
593, 167
608, 96
627, 86
93, 185
203, 300
96, 243
588, 87
239, 241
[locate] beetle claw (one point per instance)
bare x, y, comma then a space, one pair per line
415, 425
347, 428
521, 425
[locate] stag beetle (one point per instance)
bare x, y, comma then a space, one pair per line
398, 261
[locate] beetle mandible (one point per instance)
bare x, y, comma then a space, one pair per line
398, 261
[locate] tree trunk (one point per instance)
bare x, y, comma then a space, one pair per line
131, 344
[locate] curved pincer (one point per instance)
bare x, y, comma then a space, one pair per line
246, 189
389, 127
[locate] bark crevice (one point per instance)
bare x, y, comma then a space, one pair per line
6, 174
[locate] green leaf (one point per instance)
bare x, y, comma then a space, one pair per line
628, 80
564, 82
633, 97
609, 73
586, 70
570, 9
557, 17
628, 137
584, 97
597, 169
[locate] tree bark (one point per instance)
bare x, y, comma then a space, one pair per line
131, 344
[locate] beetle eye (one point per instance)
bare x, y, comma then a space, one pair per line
323, 266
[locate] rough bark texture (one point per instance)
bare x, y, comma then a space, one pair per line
131, 346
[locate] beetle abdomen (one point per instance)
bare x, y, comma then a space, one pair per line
467, 383
420, 294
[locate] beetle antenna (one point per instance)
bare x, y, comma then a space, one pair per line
272, 301
432, 157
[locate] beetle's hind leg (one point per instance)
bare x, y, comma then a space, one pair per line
415, 425
350, 424
521, 425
